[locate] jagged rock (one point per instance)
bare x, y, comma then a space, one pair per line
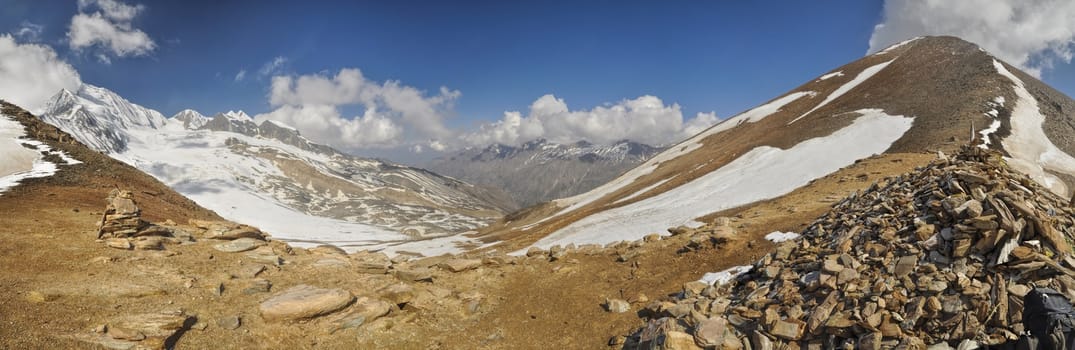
535, 251
239, 245
460, 265
414, 274
150, 330
364, 311
250, 271
148, 243
304, 301
258, 286
118, 243
372, 263
943, 255
264, 258
327, 249
397, 294
676, 340
710, 332
242, 231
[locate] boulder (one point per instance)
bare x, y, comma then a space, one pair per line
239, 245
460, 265
303, 302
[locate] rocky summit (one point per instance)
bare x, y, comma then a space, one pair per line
939, 257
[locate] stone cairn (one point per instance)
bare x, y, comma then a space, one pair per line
937, 258
122, 218
122, 226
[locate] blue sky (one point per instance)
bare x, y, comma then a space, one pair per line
718, 56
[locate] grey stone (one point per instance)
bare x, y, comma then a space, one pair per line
302, 302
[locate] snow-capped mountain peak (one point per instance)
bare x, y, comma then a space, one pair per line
237, 115
190, 119
271, 177
99, 118
539, 170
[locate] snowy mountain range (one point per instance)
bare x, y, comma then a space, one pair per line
266, 174
539, 171
923, 95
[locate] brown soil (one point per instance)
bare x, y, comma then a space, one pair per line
49, 249
948, 105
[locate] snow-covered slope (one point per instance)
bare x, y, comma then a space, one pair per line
921, 95
189, 119
98, 117
23, 158
269, 176
539, 171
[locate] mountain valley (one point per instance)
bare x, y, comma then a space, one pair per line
892, 202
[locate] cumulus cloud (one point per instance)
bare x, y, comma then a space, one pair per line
698, 124
31, 73
324, 122
395, 114
106, 24
1028, 34
645, 119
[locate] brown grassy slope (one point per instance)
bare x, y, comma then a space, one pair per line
84, 186
46, 223
943, 82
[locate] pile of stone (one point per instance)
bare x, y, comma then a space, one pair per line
122, 226
940, 257
142, 331
122, 217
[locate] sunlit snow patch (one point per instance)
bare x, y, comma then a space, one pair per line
762, 173
719, 278
685, 147
831, 75
995, 125
843, 89
23, 158
1031, 150
777, 237
898, 45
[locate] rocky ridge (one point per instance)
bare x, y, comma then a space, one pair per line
539, 170
940, 257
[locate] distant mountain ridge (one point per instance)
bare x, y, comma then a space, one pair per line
268, 175
539, 171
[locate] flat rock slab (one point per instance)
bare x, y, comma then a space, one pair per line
239, 245
460, 265
304, 301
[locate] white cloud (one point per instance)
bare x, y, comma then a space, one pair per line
644, 119
31, 73
29, 32
108, 27
699, 123
324, 123
272, 67
1028, 34
241, 75
397, 115
412, 114
112, 9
